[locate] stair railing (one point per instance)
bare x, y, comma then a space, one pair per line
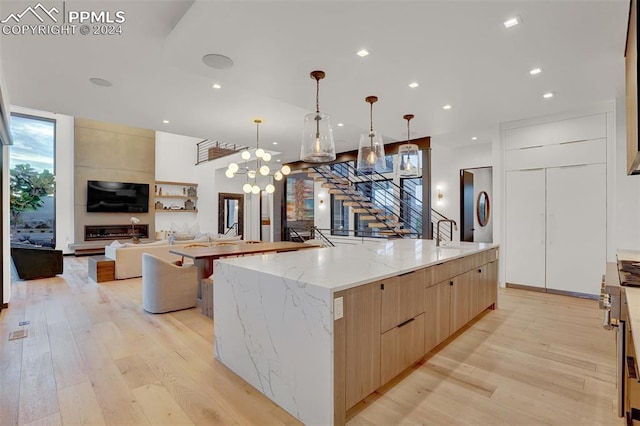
318, 235
399, 203
372, 209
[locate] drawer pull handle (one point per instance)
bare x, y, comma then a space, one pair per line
406, 322
382, 286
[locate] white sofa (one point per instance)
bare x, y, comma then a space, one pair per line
128, 256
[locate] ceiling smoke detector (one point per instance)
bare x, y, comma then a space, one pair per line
218, 62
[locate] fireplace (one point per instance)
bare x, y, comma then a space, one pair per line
114, 232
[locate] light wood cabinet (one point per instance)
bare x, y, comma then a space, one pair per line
390, 324
400, 347
437, 311
401, 298
462, 293
362, 330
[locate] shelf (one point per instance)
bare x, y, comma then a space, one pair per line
176, 211
177, 196
160, 182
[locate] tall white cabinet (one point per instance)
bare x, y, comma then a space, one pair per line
556, 195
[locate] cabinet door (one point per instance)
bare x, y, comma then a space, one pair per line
480, 290
362, 329
461, 300
492, 283
576, 228
400, 347
437, 311
402, 298
525, 227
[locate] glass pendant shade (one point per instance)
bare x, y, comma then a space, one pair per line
245, 155
270, 188
247, 188
371, 156
255, 189
318, 145
229, 174
409, 160
285, 170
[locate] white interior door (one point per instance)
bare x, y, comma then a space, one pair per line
576, 228
525, 227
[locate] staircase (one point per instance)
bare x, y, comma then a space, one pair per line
380, 215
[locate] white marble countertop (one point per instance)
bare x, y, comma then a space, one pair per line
342, 267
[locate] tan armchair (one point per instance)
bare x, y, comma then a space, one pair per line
167, 287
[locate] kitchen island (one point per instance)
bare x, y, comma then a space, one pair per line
318, 330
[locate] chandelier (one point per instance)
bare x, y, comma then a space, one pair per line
262, 157
318, 145
371, 155
409, 155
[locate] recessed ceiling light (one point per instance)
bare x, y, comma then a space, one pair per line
275, 143
548, 95
216, 86
217, 61
278, 160
101, 82
511, 22
165, 121
535, 71
340, 124
413, 85
446, 107
362, 53
475, 138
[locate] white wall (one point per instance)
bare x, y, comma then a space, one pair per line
175, 162
65, 184
446, 164
482, 181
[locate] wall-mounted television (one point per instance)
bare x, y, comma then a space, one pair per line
114, 197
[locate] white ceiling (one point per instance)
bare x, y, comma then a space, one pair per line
458, 51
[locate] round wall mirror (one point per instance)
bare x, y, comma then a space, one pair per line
482, 208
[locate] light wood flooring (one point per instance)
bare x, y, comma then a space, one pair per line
93, 356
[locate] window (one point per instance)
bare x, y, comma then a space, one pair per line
31, 163
339, 217
411, 206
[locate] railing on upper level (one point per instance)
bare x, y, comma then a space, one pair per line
208, 150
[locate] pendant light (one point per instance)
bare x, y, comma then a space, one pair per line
318, 145
262, 169
409, 154
371, 155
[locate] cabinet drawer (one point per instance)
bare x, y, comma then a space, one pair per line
462, 265
402, 298
401, 347
440, 272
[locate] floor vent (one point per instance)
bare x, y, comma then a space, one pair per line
19, 334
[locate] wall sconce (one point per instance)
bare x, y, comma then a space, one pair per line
439, 195
321, 198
